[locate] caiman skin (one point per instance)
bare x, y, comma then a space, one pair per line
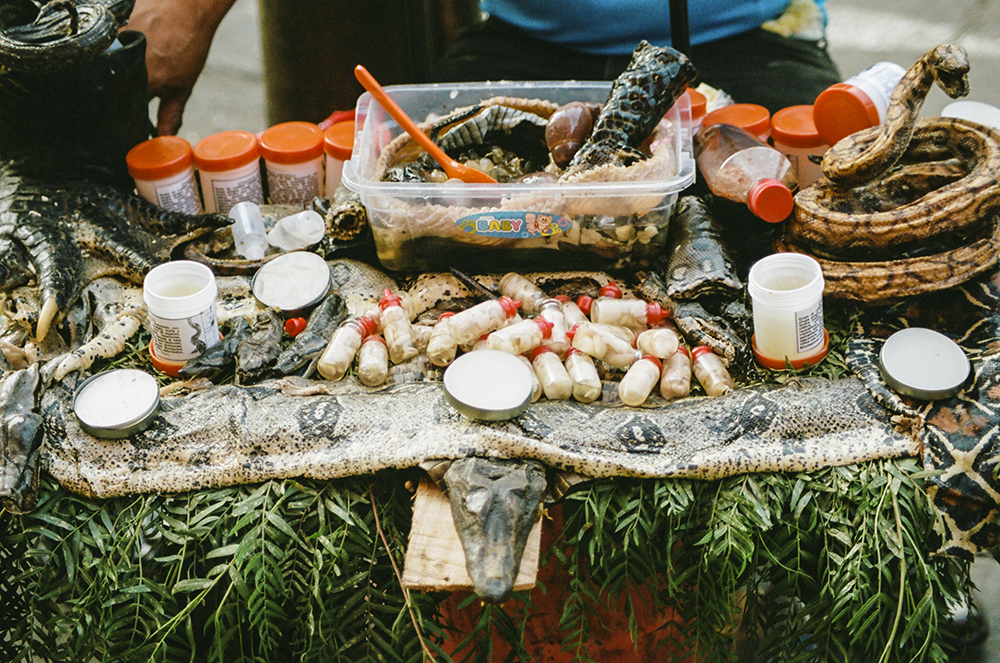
908, 207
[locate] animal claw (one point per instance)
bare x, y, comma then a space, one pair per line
48, 313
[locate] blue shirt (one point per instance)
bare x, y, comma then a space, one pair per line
614, 27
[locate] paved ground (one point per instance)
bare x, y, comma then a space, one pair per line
230, 95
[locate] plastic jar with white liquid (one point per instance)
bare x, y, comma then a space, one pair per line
229, 167
163, 170
293, 158
180, 299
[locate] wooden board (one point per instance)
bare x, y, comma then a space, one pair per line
434, 557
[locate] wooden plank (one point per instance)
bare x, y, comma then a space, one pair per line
434, 557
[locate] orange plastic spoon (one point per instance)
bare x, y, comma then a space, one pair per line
450, 166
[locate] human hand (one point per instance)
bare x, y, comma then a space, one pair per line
178, 37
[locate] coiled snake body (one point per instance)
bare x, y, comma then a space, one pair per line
907, 207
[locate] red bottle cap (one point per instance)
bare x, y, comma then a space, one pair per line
291, 142
389, 299
539, 350
684, 351
367, 326
655, 360
159, 158
294, 326
842, 109
509, 305
446, 314
654, 314
573, 351
794, 127
754, 118
699, 351
610, 290
562, 298
571, 333
584, 302
226, 150
771, 200
373, 338
338, 140
545, 325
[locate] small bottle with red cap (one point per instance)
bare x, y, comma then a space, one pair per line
468, 325
659, 342
517, 287
737, 166
860, 102
338, 142
635, 314
794, 134
396, 328
293, 158
675, 380
522, 337
608, 291
163, 170
555, 380
441, 346
582, 371
639, 380
605, 342
373, 361
228, 165
712, 374
551, 310
571, 312
343, 346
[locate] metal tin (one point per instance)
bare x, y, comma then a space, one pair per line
117, 403
924, 364
488, 385
293, 282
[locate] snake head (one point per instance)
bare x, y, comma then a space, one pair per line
951, 69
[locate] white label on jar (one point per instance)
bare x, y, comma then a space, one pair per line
180, 196
809, 328
292, 188
228, 192
878, 82
180, 340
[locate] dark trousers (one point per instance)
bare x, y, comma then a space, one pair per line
758, 67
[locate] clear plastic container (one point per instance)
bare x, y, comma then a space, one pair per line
249, 236
522, 337
794, 134
468, 325
639, 380
658, 342
373, 361
635, 314
739, 167
608, 291
753, 118
536, 384
396, 328
699, 105
513, 226
338, 141
180, 300
582, 371
293, 157
675, 380
603, 342
551, 310
517, 287
571, 312
343, 346
297, 231
441, 347
163, 170
858, 103
712, 374
228, 164
555, 380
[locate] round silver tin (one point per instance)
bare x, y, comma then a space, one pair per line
293, 282
924, 364
116, 403
488, 385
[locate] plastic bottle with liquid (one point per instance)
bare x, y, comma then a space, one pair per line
551, 310
441, 346
635, 314
396, 328
659, 342
249, 236
343, 346
608, 291
603, 342
536, 384
517, 287
553, 376
639, 380
468, 325
712, 374
860, 102
373, 361
675, 380
738, 167
571, 312
522, 337
582, 371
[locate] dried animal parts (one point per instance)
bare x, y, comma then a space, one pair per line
908, 207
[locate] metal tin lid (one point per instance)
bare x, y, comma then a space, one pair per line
488, 385
292, 282
924, 364
116, 403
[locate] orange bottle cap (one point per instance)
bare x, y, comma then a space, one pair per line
541, 349
770, 200
752, 117
656, 361
291, 142
584, 302
338, 140
168, 366
159, 158
842, 109
226, 150
699, 103
794, 127
779, 364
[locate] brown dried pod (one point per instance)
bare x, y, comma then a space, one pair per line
568, 128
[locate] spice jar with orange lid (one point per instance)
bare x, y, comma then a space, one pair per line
794, 134
293, 160
752, 118
858, 103
338, 142
229, 167
163, 170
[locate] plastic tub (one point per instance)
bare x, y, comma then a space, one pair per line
425, 227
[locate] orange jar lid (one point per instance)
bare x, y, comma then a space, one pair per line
794, 127
159, 158
338, 140
292, 142
226, 150
842, 109
698, 103
754, 118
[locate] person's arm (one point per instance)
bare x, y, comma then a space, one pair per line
178, 34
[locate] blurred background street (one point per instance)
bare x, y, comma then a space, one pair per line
230, 95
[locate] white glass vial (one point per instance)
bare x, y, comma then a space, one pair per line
342, 348
441, 346
517, 287
583, 373
551, 310
634, 314
571, 312
396, 328
712, 374
468, 325
536, 385
373, 361
553, 376
639, 380
659, 342
522, 337
603, 342
675, 380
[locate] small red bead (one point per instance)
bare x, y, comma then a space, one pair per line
294, 326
